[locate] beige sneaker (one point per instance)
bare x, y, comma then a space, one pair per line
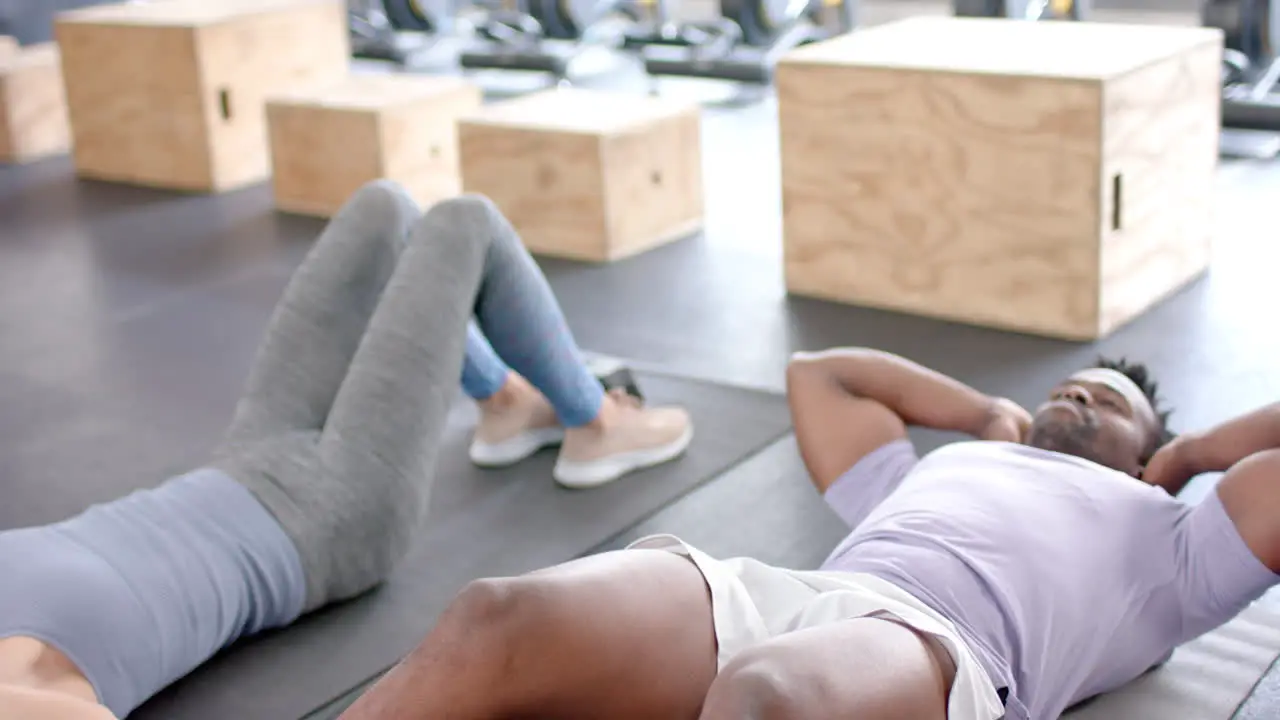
636, 437
514, 426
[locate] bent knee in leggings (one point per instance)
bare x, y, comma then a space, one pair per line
469, 206
467, 211
381, 198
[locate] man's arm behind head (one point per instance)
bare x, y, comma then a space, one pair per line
1217, 449
847, 402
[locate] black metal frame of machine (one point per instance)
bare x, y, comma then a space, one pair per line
412, 15
1023, 9
538, 35
744, 44
1251, 64
373, 34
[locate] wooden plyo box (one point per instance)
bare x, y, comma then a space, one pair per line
329, 141
33, 110
170, 94
588, 175
1053, 178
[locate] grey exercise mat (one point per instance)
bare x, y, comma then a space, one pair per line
1207, 679
481, 523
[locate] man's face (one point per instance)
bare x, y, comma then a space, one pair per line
1100, 415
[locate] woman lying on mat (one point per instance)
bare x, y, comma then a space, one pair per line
1012, 577
325, 471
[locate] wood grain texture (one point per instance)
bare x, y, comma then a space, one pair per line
134, 100
33, 108
320, 157
245, 60
418, 142
586, 175
156, 102
328, 141
653, 184
1161, 125
976, 197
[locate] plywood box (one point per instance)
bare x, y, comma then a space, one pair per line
170, 93
33, 110
1053, 178
588, 175
328, 141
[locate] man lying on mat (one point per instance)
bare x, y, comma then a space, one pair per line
325, 471
1046, 563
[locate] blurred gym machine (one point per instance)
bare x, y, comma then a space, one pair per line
424, 16
544, 36
1250, 74
1023, 9
372, 35
744, 43
396, 30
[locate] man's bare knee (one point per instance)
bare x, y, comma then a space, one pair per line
488, 616
759, 685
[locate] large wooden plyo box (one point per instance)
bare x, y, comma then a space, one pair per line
328, 141
33, 111
1052, 178
170, 94
588, 175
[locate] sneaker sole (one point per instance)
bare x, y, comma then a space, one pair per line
585, 475
509, 452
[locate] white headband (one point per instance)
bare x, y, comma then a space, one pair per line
1115, 380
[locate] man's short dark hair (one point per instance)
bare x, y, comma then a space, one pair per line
1141, 376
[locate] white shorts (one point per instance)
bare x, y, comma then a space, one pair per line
752, 602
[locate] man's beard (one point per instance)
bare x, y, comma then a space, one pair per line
1070, 438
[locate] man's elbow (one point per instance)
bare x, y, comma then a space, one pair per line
804, 366
827, 363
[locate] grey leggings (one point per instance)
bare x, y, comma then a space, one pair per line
338, 431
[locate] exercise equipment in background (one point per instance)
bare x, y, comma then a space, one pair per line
1251, 68
424, 16
373, 36
1023, 9
545, 35
744, 43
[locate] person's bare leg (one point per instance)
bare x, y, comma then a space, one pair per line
616, 636
866, 668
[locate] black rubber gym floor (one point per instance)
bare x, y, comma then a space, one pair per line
117, 304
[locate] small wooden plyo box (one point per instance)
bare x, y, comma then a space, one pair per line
170, 94
33, 109
588, 175
1053, 178
328, 141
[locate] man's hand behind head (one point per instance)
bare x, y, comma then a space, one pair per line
1008, 422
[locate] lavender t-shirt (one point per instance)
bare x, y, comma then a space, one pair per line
1066, 578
